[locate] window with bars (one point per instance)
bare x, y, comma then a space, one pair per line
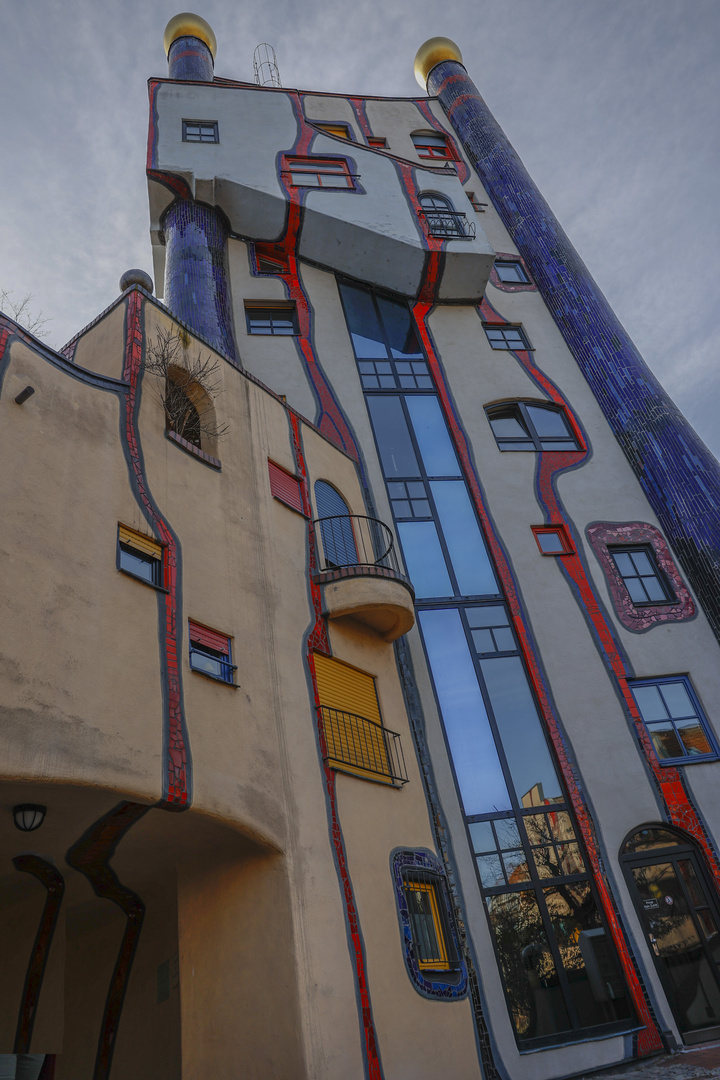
521, 425
642, 577
433, 944
318, 172
507, 337
200, 131
443, 220
674, 719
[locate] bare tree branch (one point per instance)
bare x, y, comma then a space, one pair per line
185, 386
34, 321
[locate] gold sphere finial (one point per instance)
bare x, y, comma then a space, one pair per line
188, 25
434, 51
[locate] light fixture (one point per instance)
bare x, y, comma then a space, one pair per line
29, 816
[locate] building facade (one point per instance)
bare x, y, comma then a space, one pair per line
361, 652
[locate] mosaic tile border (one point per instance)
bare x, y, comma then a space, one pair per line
454, 988
603, 534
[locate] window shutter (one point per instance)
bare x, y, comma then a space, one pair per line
202, 635
285, 487
141, 543
345, 688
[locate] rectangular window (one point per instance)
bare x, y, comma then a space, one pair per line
318, 172
512, 272
356, 741
478, 207
140, 556
340, 131
642, 576
278, 320
432, 146
210, 652
378, 143
507, 337
285, 487
426, 924
200, 131
553, 540
674, 720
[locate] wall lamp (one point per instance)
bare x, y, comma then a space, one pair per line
29, 816
24, 395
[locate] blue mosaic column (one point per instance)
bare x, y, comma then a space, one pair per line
679, 475
196, 279
190, 58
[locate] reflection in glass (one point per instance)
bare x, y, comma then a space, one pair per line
534, 995
393, 438
652, 837
490, 869
424, 559
528, 757
367, 337
400, 329
548, 423
678, 944
472, 747
468, 553
432, 436
596, 984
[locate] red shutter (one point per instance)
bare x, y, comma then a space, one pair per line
285, 487
201, 635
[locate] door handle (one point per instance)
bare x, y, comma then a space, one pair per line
653, 942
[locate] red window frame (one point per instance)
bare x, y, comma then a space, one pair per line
332, 169
556, 530
431, 152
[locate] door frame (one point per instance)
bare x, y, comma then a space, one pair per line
685, 848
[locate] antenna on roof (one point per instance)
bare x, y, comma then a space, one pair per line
265, 66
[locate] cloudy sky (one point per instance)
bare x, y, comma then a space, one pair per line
612, 104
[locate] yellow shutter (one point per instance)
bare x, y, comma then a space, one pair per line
348, 697
141, 543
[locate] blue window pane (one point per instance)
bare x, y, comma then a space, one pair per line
393, 438
482, 837
477, 766
642, 563
624, 563
367, 337
527, 754
424, 559
650, 703
463, 538
653, 588
548, 423
432, 436
677, 700
399, 328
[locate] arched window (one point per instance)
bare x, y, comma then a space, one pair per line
336, 530
441, 216
520, 425
181, 414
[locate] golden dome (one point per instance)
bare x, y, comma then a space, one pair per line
188, 25
434, 51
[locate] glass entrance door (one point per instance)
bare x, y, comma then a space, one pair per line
680, 918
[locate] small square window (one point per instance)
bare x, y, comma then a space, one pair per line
507, 337
276, 321
674, 720
512, 272
642, 577
210, 652
200, 131
478, 207
140, 556
553, 540
377, 143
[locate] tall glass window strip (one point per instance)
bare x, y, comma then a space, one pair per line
560, 972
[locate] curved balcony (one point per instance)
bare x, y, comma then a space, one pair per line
358, 567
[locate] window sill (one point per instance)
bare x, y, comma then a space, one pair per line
195, 451
148, 584
215, 679
699, 759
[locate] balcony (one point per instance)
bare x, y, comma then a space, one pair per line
449, 224
362, 747
358, 567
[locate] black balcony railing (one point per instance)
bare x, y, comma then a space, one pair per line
359, 745
350, 540
449, 224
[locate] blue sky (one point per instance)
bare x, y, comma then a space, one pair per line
612, 105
